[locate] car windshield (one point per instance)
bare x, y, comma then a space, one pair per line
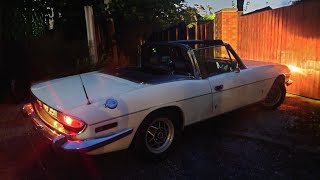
213, 53
214, 60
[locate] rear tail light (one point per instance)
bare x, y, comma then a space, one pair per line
63, 123
71, 124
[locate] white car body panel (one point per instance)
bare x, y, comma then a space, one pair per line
193, 96
240, 89
67, 93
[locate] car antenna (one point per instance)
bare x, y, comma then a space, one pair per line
84, 89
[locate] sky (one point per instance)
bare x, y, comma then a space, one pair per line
248, 7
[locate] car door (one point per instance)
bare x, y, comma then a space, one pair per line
231, 88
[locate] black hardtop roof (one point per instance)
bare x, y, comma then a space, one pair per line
202, 42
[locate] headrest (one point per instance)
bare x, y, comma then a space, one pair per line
180, 65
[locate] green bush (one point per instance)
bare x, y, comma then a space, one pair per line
208, 17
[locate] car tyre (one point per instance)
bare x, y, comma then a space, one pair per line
276, 96
157, 135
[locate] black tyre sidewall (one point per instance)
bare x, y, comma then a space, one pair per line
283, 95
139, 145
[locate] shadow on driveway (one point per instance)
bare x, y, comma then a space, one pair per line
205, 150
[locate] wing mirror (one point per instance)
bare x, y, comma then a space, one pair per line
235, 66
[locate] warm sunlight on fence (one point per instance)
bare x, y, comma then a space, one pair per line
289, 35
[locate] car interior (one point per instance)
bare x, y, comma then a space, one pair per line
214, 60
215, 66
166, 60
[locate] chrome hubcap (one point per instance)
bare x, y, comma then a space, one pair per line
159, 135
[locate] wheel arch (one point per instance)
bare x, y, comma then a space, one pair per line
170, 109
281, 78
280, 82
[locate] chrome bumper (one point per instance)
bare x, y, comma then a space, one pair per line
62, 142
289, 82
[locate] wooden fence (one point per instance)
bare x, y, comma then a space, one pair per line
290, 36
202, 30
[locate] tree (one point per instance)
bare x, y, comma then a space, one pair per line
27, 19
206, 13
135, 20
24, 19
21, 20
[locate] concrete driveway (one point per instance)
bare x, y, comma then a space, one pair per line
247, 143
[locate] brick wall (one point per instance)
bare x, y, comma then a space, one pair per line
226, 26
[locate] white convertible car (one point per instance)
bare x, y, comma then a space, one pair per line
146, 107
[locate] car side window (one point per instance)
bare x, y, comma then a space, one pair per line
215, 60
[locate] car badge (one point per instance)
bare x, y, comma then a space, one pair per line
111, 103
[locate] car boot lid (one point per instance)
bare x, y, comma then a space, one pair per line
70, 92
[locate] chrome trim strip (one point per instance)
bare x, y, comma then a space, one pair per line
92, 144
196, 69
29, 112
289, 82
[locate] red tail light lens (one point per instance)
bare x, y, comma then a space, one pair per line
70, 123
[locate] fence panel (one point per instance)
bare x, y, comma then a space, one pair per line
202, 30
290, 36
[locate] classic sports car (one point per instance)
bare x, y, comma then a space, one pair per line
146, 107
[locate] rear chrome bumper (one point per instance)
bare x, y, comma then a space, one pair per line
62, 142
